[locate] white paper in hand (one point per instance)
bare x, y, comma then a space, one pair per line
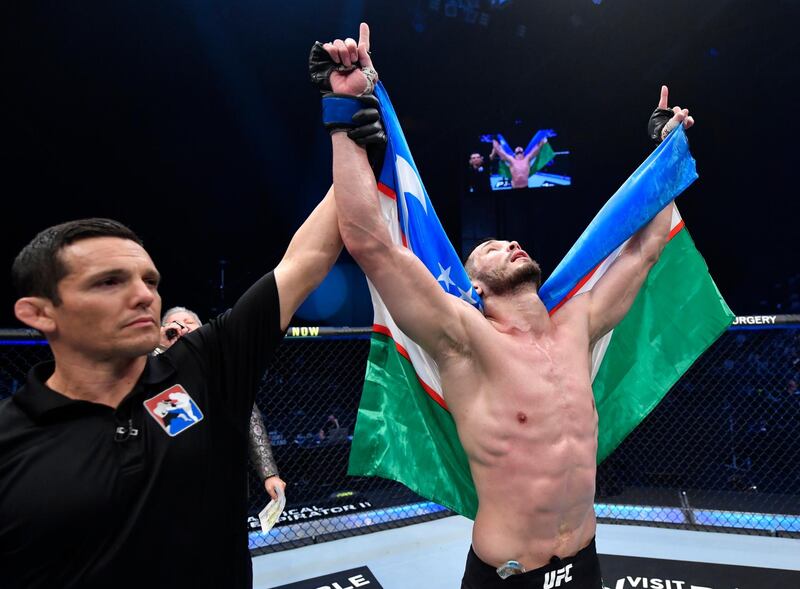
270, 514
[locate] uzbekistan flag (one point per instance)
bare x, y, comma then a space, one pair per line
404, 430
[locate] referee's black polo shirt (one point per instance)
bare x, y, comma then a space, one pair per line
152, 494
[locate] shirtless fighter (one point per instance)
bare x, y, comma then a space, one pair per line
520, 164
517, 380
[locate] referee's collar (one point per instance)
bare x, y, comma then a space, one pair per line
37, 399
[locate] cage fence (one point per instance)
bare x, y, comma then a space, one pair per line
720, 452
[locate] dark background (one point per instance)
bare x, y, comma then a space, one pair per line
194, 123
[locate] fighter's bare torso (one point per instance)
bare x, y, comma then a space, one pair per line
525, 413
517, 381
520, 170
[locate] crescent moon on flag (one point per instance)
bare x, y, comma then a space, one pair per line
409, 182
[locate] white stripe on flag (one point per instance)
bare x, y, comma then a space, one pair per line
425, 367
601, 346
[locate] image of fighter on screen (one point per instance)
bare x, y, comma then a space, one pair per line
516, 167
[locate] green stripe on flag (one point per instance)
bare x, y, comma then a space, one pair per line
677, 315
543, 158
404, 435
503, 170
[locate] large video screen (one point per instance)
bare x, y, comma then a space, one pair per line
543, 163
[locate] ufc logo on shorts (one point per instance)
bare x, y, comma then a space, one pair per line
555, 578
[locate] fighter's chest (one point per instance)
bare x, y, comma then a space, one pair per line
527, 364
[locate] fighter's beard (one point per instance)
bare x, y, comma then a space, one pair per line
520, 278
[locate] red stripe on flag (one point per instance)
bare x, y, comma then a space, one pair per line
403, 352
576, 288
381, 329
675, 230
387, 191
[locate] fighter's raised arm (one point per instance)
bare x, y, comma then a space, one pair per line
309, 257
614, 293
417, 303
612, 296
498, 150
535, 151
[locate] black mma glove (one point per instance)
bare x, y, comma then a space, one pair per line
369, 132
359, 116
656, 123
320, 67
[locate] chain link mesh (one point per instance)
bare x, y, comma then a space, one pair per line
309, 399
723, 447
720, 452
17, 356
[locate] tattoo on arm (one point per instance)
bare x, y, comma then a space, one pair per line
260, 449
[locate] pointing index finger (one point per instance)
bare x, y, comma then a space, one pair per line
363, 36
664, 100
363, 46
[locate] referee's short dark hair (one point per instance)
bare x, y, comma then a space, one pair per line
38, 268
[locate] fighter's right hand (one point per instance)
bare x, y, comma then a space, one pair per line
344, 66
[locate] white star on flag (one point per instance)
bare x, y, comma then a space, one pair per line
445, 276
467, 295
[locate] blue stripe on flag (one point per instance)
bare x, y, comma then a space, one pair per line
418, 221
667, 172
541, 134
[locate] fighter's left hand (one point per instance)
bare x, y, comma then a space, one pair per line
680, 116
270, 483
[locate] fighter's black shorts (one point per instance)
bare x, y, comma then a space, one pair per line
581, 571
